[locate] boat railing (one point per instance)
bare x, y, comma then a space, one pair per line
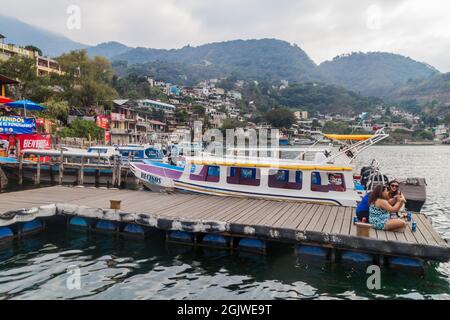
349, 152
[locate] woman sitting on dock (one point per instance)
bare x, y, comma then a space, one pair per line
380, 210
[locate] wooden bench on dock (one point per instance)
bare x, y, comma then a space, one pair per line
292, 222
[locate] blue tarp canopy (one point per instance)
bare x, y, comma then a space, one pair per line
26, 104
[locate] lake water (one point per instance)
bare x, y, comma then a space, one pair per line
116, 268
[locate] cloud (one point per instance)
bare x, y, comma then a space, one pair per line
323, 28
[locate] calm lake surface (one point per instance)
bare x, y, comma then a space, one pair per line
116, 268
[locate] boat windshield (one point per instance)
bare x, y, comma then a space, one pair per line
97, 150
153, 153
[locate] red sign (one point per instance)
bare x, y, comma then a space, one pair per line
40, 122
34, 141
102, 122
26, 141
107, 137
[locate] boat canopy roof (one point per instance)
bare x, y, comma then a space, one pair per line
352, 137
283, 164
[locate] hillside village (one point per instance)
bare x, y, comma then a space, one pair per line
163, 110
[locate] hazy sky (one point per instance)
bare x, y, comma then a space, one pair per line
323, 28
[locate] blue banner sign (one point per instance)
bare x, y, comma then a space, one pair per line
17, 125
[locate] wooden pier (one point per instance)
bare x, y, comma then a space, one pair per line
64, 168
329, 227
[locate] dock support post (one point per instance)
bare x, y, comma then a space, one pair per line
52, 174
119, 175
61, 167
20, 169
38, 172
97, 177
333, 255
114, 172
381, 260
81, 173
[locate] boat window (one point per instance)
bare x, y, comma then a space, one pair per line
285, 179
327, 181
213, 174
153, 153
244, 176
132, 153
205, 173
94, 150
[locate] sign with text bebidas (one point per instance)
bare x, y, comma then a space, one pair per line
17, 125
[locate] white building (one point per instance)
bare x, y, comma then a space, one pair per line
153, 104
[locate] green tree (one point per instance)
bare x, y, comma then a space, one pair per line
181, 115
336, 127
156, 93
57, 109
31, 86
232, 123
280, 118
199, 110
82, 129
86, 82
34, 49
158, 114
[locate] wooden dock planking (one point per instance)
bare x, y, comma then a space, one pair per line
290, 215
428, 226
211, 208
400, 236
253, 206
286, 219
409, 235
353, 231
345, 229
195, 210
298, 215
338, 222
381, 235
307, 217
315, 218
278, 213
224, 213
323, 219
328, 226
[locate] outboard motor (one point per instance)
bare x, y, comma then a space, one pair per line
365, 173
414, 190
376, 179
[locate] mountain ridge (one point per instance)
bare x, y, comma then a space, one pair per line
379, 74
51, 43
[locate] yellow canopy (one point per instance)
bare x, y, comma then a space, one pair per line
353, 137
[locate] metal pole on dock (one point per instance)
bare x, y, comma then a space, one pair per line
119, 174
81, 173
114, 172
61, 167
97, 177
38, 173
52, 174
20, 169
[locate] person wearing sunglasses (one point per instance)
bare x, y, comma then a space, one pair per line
394, 192
380, 210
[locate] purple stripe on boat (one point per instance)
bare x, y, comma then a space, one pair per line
163, 172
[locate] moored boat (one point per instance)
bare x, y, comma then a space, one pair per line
326, 178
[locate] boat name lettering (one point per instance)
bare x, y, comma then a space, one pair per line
150, 178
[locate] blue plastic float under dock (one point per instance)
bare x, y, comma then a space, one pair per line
218, 219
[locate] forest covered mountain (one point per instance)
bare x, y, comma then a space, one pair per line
390, 76
374, 73
264, 59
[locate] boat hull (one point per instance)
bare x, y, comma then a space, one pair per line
156, 176
159, 177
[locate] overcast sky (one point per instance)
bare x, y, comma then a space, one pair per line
419, 29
